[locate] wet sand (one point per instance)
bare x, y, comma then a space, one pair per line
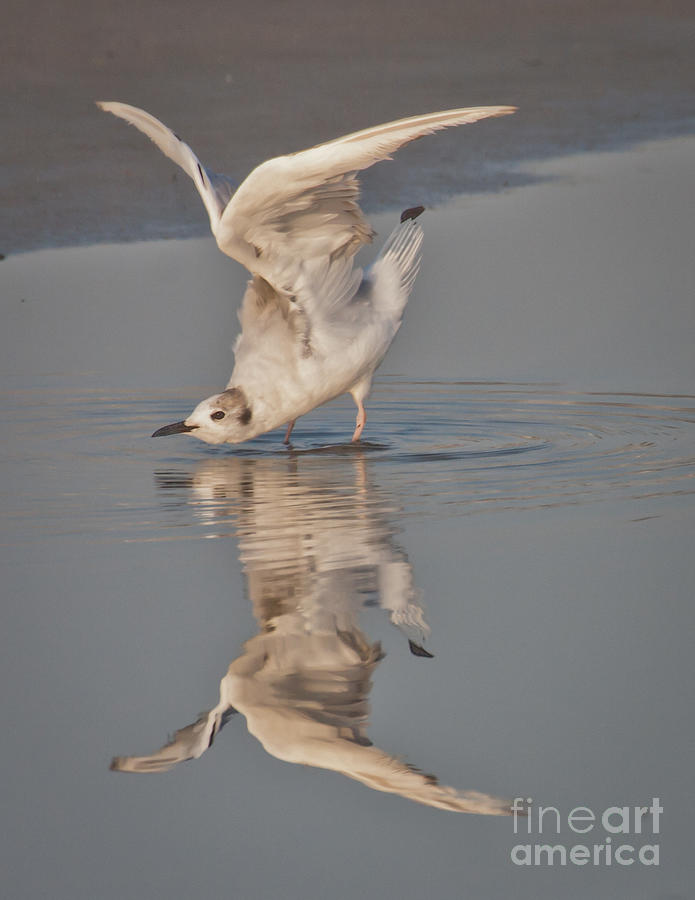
244, 83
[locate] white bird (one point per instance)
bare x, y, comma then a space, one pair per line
313, 326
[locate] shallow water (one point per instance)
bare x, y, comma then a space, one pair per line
533, 532
442, 448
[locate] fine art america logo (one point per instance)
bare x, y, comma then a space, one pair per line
617, 835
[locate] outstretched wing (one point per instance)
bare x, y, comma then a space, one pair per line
215, 190
305, 205
382, 772
187, 743
300, 207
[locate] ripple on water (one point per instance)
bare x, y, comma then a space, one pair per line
452, 449
531, 445
438, 448
518, 445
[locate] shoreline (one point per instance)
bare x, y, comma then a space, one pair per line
252, 84
184, 221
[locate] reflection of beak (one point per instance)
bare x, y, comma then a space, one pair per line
176, 428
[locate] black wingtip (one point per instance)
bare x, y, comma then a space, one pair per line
419, 650
412, 213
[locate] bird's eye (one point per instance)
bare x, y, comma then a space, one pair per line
218, 414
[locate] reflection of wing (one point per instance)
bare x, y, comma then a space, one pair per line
382, 772
305, 697
188, 743
298, 207
315, 543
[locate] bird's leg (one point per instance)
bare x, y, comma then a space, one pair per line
360, 421
290, 426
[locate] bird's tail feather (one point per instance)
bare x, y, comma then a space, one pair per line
403, 250
394, 272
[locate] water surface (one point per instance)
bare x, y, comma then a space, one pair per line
489, 597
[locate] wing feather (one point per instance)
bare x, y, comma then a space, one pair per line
306, 204
294, 209
214, 189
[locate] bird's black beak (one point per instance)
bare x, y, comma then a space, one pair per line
176, 428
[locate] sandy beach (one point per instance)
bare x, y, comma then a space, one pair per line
244, 83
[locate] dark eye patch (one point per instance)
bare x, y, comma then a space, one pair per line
218, 414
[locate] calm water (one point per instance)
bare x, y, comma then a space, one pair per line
490, 597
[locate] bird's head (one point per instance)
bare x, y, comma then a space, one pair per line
225, 417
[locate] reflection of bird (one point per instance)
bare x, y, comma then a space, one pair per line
316, 546
320, 533
312, 326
